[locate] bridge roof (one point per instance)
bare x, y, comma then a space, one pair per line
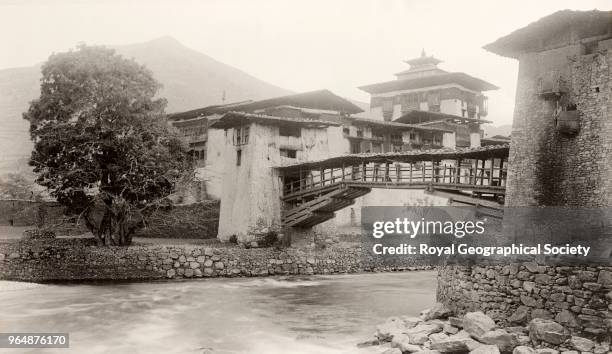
483, 152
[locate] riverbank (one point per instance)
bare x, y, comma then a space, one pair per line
81, 260
437, 331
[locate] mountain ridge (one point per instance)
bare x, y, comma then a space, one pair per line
190, 79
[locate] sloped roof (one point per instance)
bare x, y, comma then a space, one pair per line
232, 119
462, 79
495, 140
583, 24
394, 124
423, 60
428, 116
320, 99
497, 151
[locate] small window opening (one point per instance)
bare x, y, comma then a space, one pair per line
290, 153
290, 131
238, 157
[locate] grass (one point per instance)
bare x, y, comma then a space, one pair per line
10, 233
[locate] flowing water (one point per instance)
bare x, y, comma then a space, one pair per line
318, 314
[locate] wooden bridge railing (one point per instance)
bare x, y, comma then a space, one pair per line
456, 174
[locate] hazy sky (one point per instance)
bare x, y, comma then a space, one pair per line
298, 45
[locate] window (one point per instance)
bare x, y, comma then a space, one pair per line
198, 155
290, 131
360, 133
378, 135
355, 147
241, 135
290, 153
238, 157
396, 137
412, 136
437, 140
376, 147
346, 131
387, 105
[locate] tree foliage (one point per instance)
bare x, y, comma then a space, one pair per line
102, 144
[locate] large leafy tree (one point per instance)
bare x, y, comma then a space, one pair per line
103, 147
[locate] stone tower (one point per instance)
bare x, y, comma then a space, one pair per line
561, 149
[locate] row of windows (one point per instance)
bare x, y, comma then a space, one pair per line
198, 155
289, 153
196, 130
394, 137
396, 146
431, 97
241, 134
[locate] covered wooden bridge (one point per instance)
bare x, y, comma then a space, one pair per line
313, 191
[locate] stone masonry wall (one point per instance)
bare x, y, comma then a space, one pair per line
580, 298
79, 259
548, 167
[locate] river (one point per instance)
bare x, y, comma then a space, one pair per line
317, 314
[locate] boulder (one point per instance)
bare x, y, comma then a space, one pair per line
566, 318
520, 316
420, 333
529, 301
402, 342
450, 329
477, 324
392, 351
516, 330
438, 337
541, 313
499, 337
546, 351
605, 278
451, 346
582, 344
368, 343
410, 321
531, 266
523, 340
601, 348
418, 338
391, 327
424, 313
461, 334
486, 349
458, 322
438, 311
523, 350
547, 331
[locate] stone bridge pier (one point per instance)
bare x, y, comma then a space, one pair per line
560, 157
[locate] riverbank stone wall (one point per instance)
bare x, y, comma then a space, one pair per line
80, 260
577, 297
